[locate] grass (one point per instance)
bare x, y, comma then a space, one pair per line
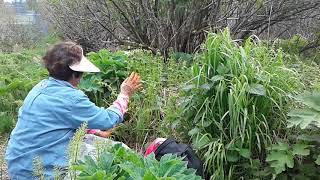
236, 105
145, 111
19, 72
231, 104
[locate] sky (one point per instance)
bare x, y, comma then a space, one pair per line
11, 0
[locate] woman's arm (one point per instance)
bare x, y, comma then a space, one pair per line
122, 104
83, 110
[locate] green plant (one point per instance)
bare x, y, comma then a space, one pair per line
147, 108
293, 45
118, 163
19, 72
144, 115
281, 156
308, 117
38, 170
7, 122
235, 103
101, 86
306, 49
299, 157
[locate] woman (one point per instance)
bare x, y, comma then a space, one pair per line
55, 108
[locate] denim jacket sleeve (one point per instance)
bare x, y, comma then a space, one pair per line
83, 110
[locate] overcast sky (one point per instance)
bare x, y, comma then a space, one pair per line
12, 0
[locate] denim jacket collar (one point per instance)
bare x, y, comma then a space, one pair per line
64, 83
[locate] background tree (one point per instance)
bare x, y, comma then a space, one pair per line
178, 25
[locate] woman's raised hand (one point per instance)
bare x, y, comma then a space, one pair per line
131, 84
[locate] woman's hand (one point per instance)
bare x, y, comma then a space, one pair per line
104, 134
131, 84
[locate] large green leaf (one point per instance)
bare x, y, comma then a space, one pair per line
300, 149
280, 146
280, 160
232, 156
245, 153
200, 141
90, 84
133, 171
257, 89
309, 116
149, 176
117, 162
105, 161
304, 118
311, 100
194, 131
216, 78
318, 160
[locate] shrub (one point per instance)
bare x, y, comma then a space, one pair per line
149, 109
105, 84
19, 72
180, 25
308, 73
306, 49
298, 156
118, 163
293, 45
235, 105
16, 37
7, 123
152, 111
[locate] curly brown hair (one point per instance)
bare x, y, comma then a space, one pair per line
58, 59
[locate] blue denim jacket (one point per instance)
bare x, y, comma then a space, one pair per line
47, 120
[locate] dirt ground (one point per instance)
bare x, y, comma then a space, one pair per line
3, 167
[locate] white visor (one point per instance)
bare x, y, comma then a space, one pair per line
84, 66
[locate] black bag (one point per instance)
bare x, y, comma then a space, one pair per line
170, 146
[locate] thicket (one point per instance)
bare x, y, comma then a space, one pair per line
233, 106
19, 72
230, 102
235, 110
120, 163
178, 25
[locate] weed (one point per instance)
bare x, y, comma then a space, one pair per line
235, 105
117, 162
74, 148
19, 72
102, 87
7, 122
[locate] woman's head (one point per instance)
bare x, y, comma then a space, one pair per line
60, 57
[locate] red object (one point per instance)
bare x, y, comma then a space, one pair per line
91, 131
153, 146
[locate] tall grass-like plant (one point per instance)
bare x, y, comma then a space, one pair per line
234, 106
74, 148
38, 170
144, 115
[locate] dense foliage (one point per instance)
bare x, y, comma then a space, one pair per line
235, 105
117, 162
19, 72
178, 25
231, 102
100, 87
